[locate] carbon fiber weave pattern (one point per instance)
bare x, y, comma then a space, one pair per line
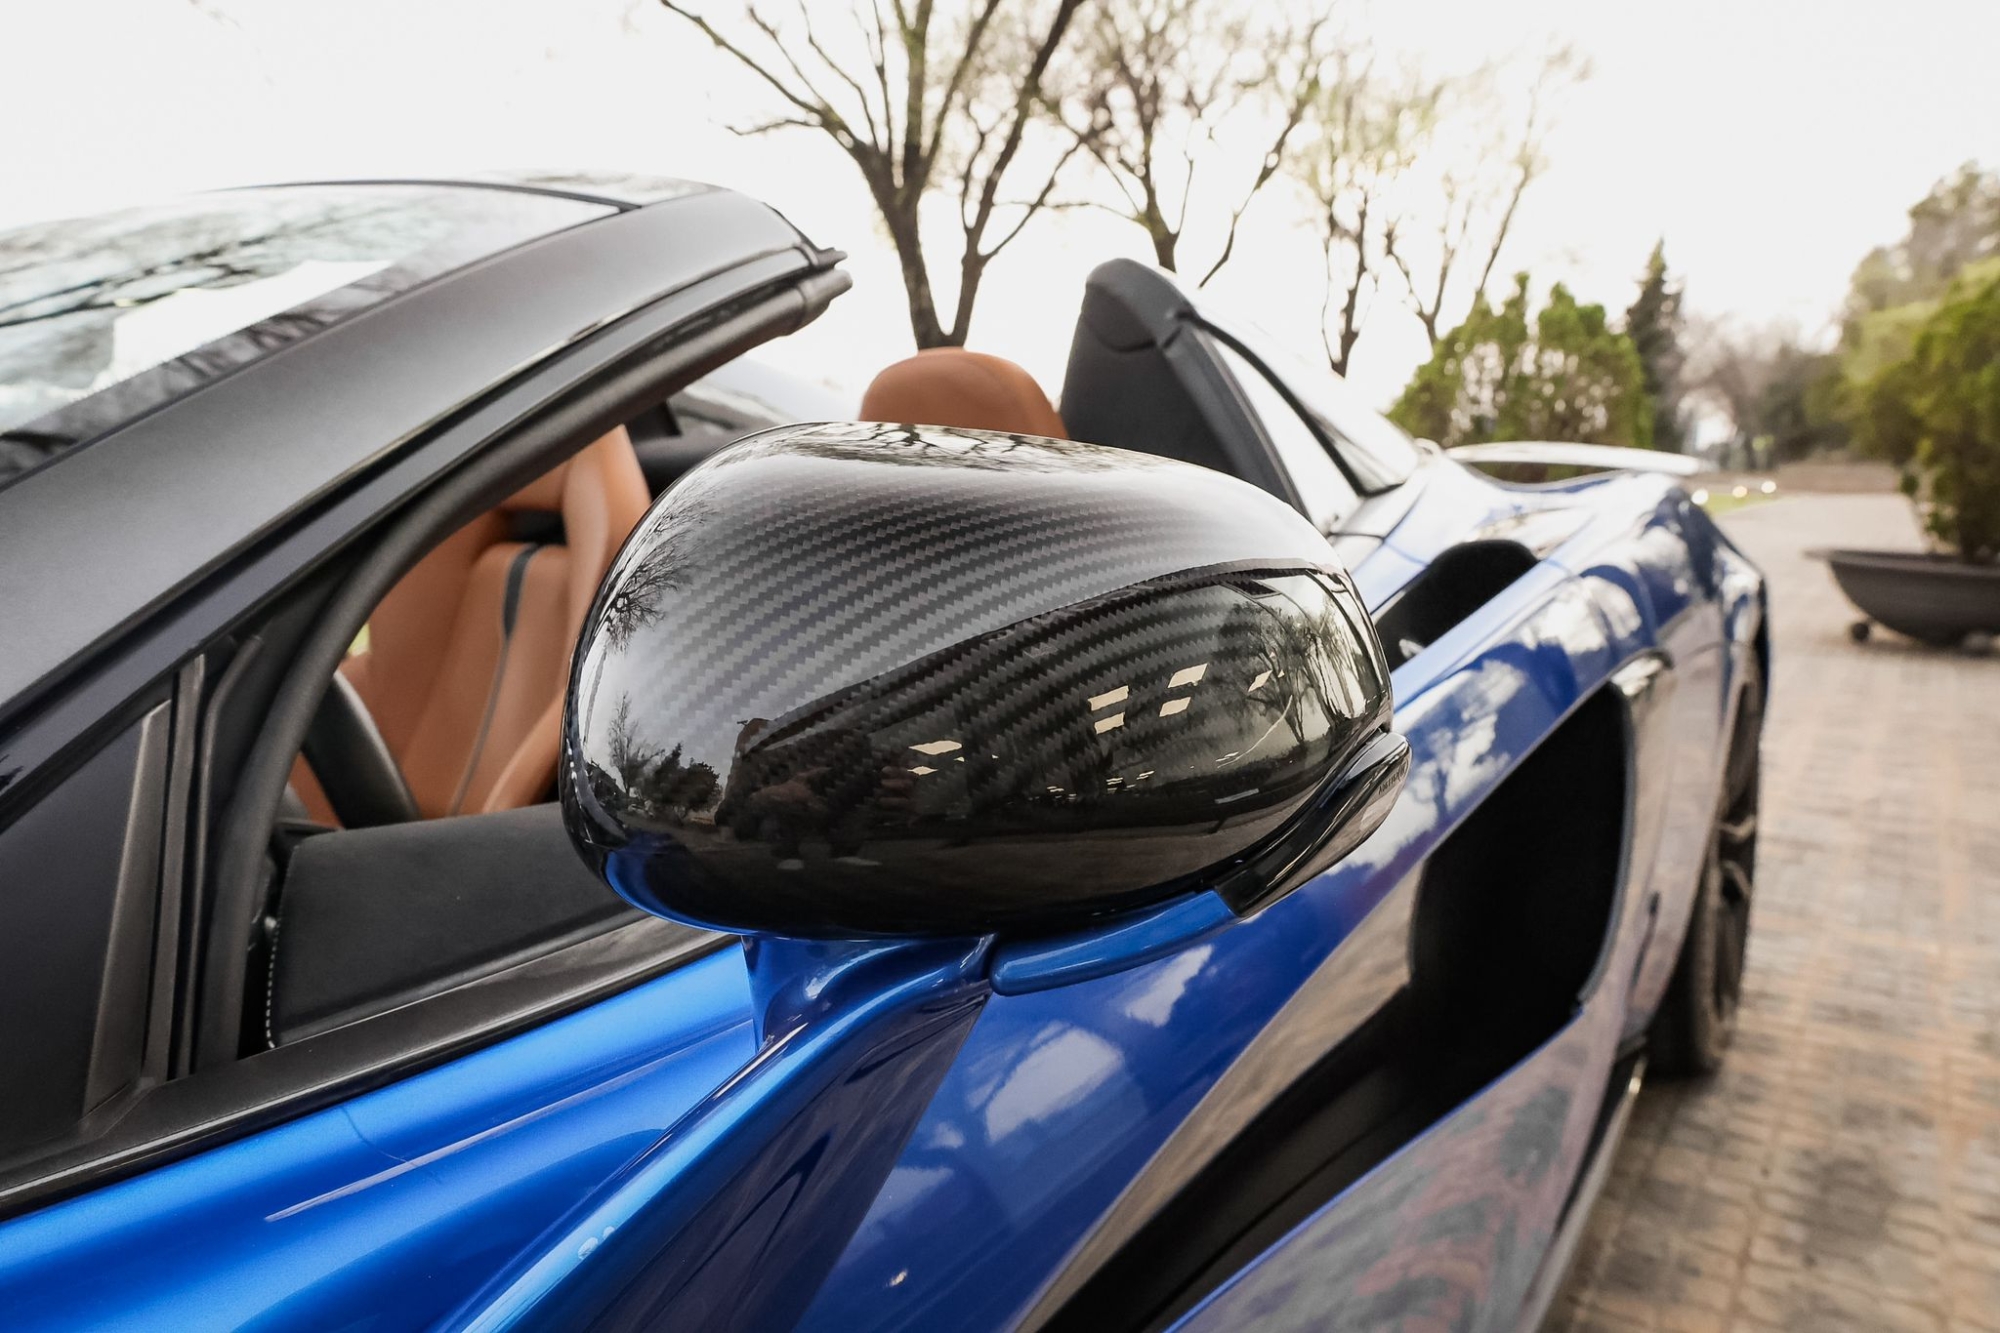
854, 680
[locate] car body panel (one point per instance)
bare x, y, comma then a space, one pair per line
1602, 457
1460, 1227
1451, 1231
1115, 1089
420, 1187
951, 1135
1056, 1102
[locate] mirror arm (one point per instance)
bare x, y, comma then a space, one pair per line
795, 983
1137, 937
1352, 807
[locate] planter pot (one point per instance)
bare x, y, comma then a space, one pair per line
1932, 598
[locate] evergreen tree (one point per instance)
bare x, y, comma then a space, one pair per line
1566, 376
1654, 325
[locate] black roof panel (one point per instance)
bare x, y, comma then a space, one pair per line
89, 544
106, 318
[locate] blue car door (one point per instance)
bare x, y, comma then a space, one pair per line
1074, 1114
1018, 1117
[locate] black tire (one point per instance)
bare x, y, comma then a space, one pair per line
1697, 1016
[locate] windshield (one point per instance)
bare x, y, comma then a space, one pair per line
104, 318
1377, 452
1322, 487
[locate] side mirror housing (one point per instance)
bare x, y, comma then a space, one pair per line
854, 681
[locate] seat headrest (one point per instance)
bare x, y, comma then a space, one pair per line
949, 386
547, 494
542, 495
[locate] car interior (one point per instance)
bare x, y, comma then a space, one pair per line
425, 789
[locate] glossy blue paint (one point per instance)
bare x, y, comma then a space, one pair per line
687, 1231
1059, 1097
836, 1136
1141, 937
1456, 1227
1449, 1232
420, 1190
1456, 502
797, 983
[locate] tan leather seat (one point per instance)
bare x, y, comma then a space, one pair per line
468, 655
949, 386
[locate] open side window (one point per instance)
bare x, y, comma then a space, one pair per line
419, 849
249, 648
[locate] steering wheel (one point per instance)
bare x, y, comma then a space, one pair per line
361, 779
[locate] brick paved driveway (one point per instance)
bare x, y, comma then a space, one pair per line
1843, 1170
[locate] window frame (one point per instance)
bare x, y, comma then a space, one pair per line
190, 1103
1331, 436
126, 767
1222, 347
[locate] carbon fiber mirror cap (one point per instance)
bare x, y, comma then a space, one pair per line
851, 681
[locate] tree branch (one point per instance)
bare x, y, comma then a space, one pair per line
916, 53
975, 38
1029, 210
1303, 96
1024, 105
812, 40
822, 114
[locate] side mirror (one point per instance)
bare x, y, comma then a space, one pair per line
852, 681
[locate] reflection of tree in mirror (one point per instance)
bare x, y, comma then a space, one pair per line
638, 599
1318, 662
646, 783
1259, 667
811, 781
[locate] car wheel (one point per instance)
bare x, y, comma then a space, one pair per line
1698, 1014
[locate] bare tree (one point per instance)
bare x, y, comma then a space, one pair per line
1363, 133
1781, 389
1733, 367
1151, 81
922, 99
1479, 189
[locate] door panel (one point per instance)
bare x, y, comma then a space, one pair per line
386, 1211
1451, 1232
1455, 1229
1061, 1098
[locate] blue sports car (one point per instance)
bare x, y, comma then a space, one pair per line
502, 826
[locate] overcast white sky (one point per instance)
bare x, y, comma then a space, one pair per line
1771, 142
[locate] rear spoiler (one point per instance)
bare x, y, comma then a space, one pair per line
1606, 457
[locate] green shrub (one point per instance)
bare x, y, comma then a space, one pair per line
1936, 414
1565, 375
